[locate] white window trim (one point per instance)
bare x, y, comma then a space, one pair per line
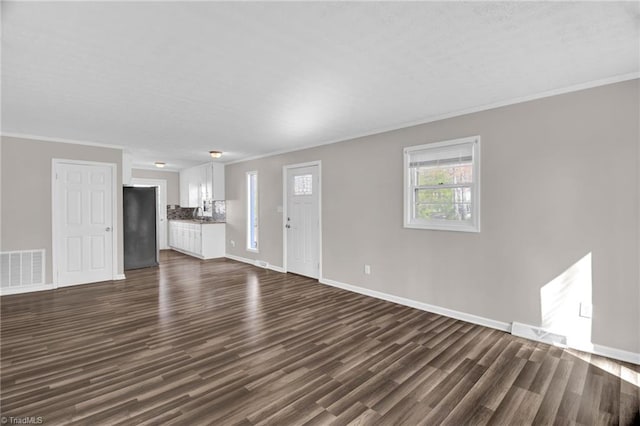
248, 240
444, 225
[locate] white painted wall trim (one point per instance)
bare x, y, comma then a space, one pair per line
26, 289
476, 184
619, 354
479, 108
498, 325
258, 263
44, 287
539, 334
61, 140
507, 102
517, 329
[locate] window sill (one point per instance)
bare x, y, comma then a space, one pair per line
443, 227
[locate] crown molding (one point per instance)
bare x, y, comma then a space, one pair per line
558, 91
480, 108
61, 140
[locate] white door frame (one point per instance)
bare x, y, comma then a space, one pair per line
285, 203
162, 184
54, 214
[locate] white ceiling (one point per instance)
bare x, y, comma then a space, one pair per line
171, 80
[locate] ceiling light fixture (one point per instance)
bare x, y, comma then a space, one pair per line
215, 154
159, 164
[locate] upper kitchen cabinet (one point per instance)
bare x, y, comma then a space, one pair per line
189, 182
202, 184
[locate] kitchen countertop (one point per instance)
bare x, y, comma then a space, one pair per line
198, 221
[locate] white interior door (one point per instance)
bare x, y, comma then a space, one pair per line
161, 197
83, 220
302, 222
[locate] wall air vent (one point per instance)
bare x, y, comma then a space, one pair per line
21, 269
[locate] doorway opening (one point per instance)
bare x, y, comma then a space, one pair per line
161, 197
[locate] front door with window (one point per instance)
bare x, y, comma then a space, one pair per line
83, 220
303, 221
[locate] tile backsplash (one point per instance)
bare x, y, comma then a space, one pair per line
177, 212
218, 212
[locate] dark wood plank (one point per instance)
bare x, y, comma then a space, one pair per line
221, 342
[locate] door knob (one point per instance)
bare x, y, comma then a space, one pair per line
287, 226
108, 228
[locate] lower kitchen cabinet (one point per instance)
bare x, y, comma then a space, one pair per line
202, 240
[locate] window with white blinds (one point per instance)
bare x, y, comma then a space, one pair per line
442, 185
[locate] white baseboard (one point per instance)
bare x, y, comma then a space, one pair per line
539, 334
25, 289
240, 259
498, 325
258, 263
276, 268
517, 329
619, 354
45, 287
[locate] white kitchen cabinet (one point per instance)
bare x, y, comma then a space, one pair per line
200, 183
188, 188
203, 240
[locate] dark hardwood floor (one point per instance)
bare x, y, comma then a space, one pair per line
220, 342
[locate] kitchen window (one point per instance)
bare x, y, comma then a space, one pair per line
252, 211
442, 185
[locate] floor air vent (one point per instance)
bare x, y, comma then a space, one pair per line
22, 268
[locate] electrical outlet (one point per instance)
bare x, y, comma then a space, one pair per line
586, 310
367, 269
233, 243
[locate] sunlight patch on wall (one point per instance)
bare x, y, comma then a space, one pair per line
562, 300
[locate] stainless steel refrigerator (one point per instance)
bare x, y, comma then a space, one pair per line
140, 227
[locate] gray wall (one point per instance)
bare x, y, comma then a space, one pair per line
172, 178
26, 191
559, 181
